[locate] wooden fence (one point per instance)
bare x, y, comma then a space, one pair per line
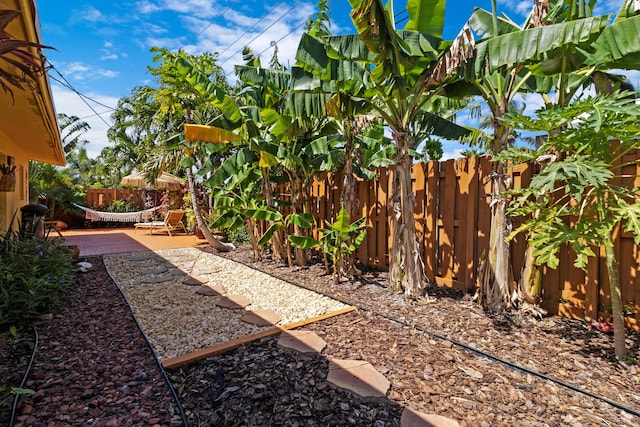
100, 198
453, 223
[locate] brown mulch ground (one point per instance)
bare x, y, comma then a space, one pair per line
93, 366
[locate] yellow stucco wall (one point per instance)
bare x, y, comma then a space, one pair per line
11, 202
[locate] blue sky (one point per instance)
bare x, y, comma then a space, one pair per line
102, 47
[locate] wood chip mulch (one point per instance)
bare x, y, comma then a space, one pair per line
93, 366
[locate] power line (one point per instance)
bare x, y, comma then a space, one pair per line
265, 30
82, 96
283, 37
247, 31
211, 23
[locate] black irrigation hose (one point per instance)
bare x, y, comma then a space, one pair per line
506, 363
155, 355
14, 408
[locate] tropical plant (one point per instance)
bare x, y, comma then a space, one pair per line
53, 187
338, 240
18, 54
394, 73
72, 130
561, 63
177, 97
34, 274
579, 199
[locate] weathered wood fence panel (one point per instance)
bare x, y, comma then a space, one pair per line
453, 222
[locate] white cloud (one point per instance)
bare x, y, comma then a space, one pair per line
69, 103
451, 154
80, 71
108, 56
203, 8
167, 43
89, 13
281, 24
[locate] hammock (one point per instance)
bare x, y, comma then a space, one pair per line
140, 216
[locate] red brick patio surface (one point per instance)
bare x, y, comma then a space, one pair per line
100, 241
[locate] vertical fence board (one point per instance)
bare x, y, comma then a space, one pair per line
592, 297
470, 205
382, 222
418, 180
446, 222
484, 212
429, 250
464, 253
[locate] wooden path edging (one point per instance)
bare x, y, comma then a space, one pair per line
178, 361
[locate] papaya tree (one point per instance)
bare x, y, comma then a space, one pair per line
547, 57
580, 199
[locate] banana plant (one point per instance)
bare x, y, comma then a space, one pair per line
339, 240
390, 71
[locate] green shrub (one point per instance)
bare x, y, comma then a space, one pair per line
240, 235
121, 206
34, 274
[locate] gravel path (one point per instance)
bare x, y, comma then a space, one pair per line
178, 320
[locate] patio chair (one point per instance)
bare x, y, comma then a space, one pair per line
172, 222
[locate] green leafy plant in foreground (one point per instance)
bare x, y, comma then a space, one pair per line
339, 240
579, 198
34, 274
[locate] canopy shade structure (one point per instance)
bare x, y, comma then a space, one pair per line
165, 181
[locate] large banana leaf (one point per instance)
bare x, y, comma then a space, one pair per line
618, 45
348, 46
303, 80
529, 45
482, 23
212, 92
426, 16
307, 104
278, 80
232, 166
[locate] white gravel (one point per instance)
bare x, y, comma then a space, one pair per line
179, 321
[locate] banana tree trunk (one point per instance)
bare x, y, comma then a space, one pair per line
497, 288
252, 229
297, 195
497, 277
406, 270
202, 226
530, 278
348, 197
277, 239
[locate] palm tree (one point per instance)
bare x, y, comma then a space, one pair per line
72, 130
177, 97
